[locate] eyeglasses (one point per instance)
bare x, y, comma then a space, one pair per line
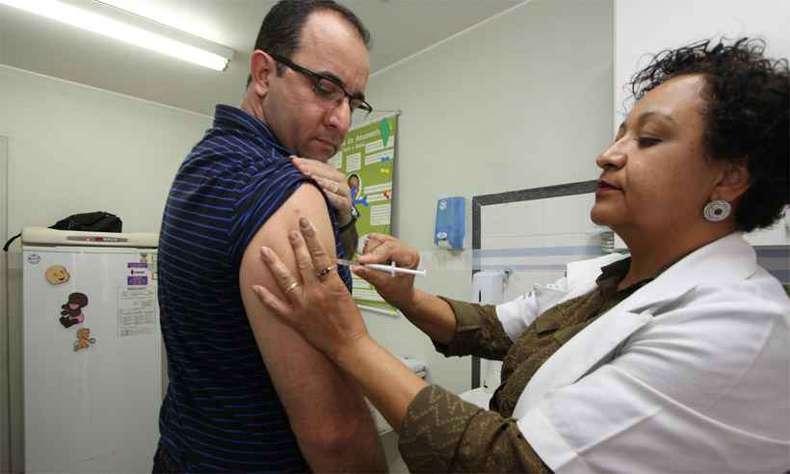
329, 88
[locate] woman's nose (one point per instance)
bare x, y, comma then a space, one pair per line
613, 156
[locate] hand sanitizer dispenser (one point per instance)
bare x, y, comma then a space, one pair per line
450, 225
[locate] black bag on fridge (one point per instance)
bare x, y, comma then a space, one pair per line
98, 221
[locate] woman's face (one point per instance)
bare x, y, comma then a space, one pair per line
656, 178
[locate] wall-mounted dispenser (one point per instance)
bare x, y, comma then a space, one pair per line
450, 225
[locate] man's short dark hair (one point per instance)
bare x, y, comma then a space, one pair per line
747, 99
281, 29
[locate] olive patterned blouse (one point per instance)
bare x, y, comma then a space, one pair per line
443, 433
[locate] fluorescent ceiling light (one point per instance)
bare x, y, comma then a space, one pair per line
115, 23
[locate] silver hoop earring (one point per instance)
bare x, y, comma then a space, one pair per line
717, 210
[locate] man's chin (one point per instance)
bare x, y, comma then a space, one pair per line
319, 153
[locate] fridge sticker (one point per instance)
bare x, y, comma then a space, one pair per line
136, 311
138, 273
57, 275
33, 258
84, 339
141, 280
71, 312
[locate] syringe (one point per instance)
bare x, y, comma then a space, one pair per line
392, 269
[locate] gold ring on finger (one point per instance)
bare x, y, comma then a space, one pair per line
292, 287
323, 273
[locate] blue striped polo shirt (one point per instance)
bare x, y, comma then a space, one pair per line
221, 411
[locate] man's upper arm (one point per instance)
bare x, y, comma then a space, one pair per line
315, 394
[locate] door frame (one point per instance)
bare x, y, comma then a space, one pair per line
5, 351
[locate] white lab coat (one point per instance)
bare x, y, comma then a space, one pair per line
691, 373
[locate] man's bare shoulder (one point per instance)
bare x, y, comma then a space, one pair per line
307, 201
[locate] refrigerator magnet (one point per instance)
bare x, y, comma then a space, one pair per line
84, 339
138, 273
71, 312
57, 275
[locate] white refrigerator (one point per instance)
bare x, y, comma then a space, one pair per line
92, 352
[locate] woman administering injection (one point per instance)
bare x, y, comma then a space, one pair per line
672, 359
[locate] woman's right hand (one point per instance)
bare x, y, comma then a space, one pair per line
398, 289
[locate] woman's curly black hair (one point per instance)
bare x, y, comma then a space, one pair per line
746, 117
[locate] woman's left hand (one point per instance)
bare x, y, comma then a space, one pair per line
318, 304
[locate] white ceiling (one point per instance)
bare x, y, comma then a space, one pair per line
399, 28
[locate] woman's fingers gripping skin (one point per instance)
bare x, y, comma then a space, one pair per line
304, 262
288, 284
273, 303
320, 258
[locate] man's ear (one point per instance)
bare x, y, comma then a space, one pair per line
262, 68
733, 182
